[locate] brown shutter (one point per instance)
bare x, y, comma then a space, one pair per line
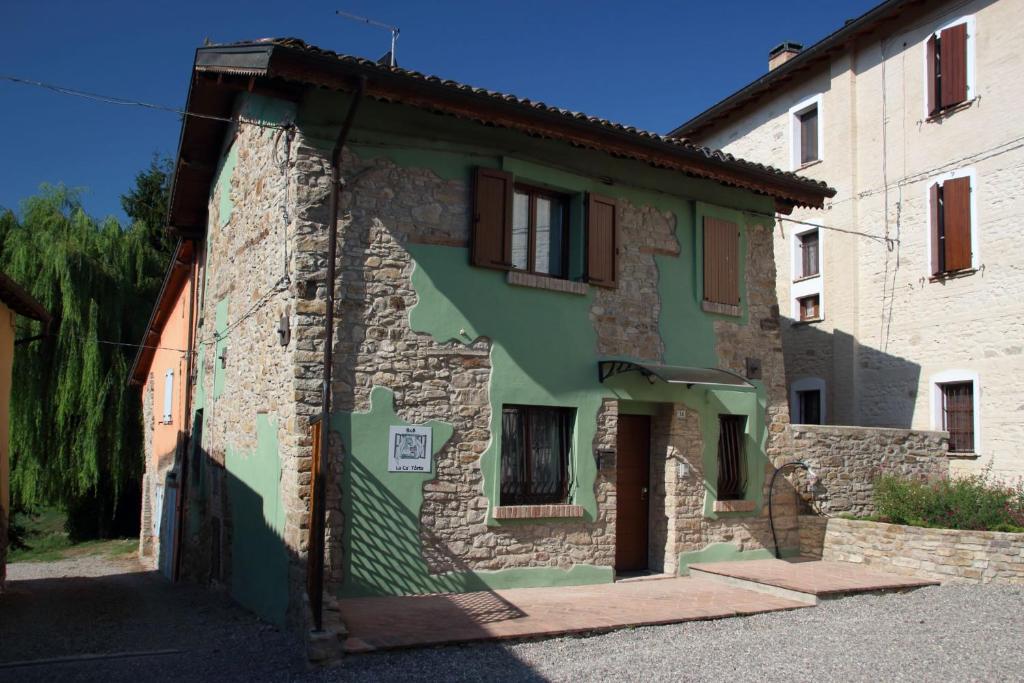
956, 203
721, 261
602, 241
953, 60
492, 219
809, 136
931, 54
936, 228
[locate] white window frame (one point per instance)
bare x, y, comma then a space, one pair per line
794, 131
806, 384
168, 396
950, 377
967, 172
809, 286
972, 92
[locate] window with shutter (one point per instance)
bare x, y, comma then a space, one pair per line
958, 415
950, 208
492, 219
168, 395
721, 264
602, 241
808, 135
946, 60
540, 232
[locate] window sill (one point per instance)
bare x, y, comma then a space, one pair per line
554, 284
956, 455
538, 511
949, 111
953, 275
805, 278
721, 309
809, 321
808, 164
734, 506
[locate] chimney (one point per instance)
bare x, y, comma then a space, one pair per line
782, 53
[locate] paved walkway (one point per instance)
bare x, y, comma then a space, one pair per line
819, 579
391, 622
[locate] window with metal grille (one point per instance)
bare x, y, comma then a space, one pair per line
732, 465
958, 415
809, 254
535, 446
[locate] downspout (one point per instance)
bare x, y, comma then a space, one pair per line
320, 486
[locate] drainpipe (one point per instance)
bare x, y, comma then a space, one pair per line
320, 486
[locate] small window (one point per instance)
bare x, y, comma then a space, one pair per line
958, 415
809, 257
809, 407
535, 445
168, 396
810, 307
808, 124
732, 466
540, 232
950, 201
947, 62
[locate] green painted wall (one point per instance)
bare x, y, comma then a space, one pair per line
259, 558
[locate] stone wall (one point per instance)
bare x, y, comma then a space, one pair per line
943, 554
847, 461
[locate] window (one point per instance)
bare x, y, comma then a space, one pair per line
949, 66
535, 445
808, 242
809, 407
808, 135
806, 132
809, 307
958, 415
732, 466
168, 396
951, 209
525, 228
721, 266
540, 232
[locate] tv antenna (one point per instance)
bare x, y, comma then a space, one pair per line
390, 56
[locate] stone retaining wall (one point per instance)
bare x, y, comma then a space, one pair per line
943, 554
847, 461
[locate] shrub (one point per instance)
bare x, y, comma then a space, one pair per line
971, 502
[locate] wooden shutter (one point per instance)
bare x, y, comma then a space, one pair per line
931, 55
956, 223
602, 241
492, 219
721, 261
953, 64
934, 193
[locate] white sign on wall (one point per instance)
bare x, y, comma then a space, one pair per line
409, 449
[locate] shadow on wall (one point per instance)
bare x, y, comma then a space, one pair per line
864, 386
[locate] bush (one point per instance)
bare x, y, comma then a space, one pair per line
972, 502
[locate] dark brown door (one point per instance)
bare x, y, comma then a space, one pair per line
632, 482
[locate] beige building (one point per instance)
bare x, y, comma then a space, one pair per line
902, 308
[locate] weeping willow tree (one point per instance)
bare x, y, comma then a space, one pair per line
76, 427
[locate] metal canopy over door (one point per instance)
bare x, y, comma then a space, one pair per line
632, 484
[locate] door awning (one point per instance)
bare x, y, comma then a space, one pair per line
673, 374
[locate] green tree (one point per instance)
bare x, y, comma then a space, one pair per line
76, 432
146, 202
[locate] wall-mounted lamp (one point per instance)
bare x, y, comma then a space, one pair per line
223, 357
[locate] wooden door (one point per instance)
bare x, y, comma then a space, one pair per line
632, 492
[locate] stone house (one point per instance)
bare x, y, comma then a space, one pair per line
897, 300
554, 343
14, 301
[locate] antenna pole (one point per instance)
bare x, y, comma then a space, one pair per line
376, 24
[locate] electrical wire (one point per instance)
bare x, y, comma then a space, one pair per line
877, 238
125, 102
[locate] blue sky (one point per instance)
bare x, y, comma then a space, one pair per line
648, 64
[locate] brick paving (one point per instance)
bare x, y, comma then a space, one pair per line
819, 578
409, 621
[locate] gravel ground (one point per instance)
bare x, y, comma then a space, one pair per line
947, 633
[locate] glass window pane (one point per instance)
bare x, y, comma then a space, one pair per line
521, 230
550, 235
